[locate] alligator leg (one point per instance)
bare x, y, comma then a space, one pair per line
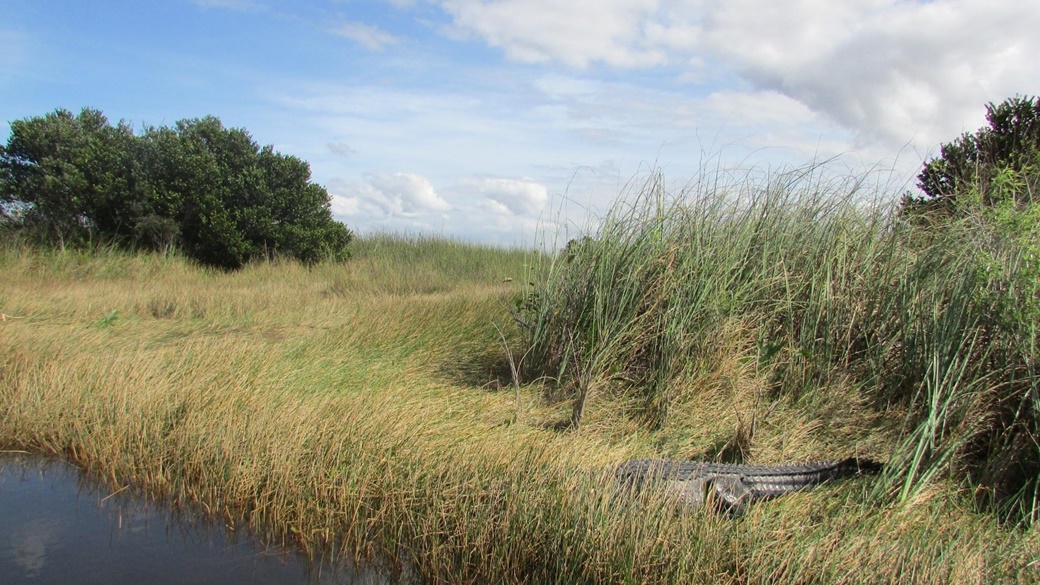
732, 493
725, 492
688, 493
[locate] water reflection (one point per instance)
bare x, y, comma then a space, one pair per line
55, 527
28, 544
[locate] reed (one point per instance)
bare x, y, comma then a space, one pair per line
808, 297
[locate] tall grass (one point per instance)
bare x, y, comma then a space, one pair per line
827, 300
344, 408
426, 264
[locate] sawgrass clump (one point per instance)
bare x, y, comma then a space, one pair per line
802, 294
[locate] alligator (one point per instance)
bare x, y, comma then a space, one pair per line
729, 487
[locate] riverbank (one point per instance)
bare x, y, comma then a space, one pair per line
58, 525
368, 408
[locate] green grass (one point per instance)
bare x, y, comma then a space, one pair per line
797, 303
367, 409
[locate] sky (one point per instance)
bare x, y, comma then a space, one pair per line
500, 120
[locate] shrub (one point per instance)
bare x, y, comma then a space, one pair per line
206, 189
995, 164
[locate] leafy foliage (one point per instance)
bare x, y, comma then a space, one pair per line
994, 164
207, 189
62, 174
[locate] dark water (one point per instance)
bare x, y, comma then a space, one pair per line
58, 527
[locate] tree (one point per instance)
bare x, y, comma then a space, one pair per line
207, 189
65, 174
992, 165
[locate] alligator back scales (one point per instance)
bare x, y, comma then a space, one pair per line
732, 485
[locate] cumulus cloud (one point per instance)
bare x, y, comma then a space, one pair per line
371, 37
344, 206
885, 68
576, 32
406, 193
513, 196
384, 195
890, 70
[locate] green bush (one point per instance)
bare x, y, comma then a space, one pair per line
208, 190
62, 175
994, 164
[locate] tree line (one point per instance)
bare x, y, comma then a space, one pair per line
221, 199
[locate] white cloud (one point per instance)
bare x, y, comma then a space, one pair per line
371, 37
890, 70
391, 195
344, 206
558, 86
513, 196
409, 192
498, 224
576, 32
573, 135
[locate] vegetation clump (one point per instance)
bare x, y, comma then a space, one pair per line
995, 165
800, 288
199, 187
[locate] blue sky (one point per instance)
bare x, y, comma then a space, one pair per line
491, 120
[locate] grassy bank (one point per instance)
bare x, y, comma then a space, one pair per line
367, 408
824, 321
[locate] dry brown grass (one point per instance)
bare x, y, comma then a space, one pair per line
351, 408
